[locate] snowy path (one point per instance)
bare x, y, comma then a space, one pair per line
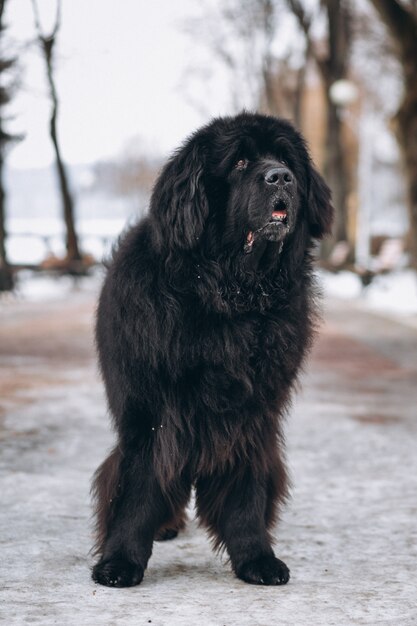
349, 534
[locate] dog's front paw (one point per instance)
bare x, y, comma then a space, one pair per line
117, 572
265, 570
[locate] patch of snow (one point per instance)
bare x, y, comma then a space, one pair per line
393, 294
31, 240
345, 285
33, 287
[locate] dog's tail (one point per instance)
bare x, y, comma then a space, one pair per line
105, 490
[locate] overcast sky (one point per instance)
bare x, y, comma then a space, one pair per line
121, 69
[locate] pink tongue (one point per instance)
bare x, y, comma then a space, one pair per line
279, 213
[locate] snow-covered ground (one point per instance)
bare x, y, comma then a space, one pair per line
393, 294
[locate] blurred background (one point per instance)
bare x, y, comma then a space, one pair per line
95, 96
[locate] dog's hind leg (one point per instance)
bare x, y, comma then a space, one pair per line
170, 529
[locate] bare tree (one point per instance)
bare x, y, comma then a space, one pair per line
47, 43
6, 275
401, 21
332, 60
241, 35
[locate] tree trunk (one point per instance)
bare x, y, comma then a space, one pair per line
335, 68
335, 169
301, 86
73, 252
402, 24
272, 107
47, 45
406, 131
6, 276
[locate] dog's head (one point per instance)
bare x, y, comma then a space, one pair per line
238, 181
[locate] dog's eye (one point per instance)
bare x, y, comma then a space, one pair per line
242, 164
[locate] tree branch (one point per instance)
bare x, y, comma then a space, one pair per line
57, 24
304, 22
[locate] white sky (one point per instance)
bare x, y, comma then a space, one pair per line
120, 69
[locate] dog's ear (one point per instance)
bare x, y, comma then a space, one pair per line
320, 209
179, 200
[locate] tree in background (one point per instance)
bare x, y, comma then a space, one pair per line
6, 275
331, 55
241, 35
47, 43
129, 176
401, 21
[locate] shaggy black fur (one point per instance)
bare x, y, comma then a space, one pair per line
204, 319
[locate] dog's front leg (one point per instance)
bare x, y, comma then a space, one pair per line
234, 508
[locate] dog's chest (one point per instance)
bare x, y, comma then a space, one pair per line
242, 368
249, 353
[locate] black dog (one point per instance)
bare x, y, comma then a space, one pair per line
203, 322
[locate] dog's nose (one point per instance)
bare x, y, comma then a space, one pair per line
280, 176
